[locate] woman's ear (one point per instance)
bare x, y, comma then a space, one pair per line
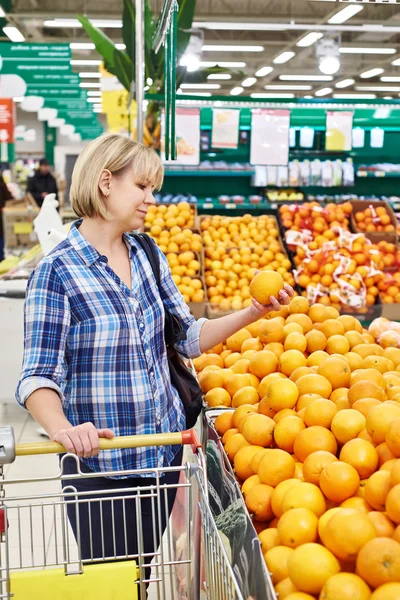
105, 182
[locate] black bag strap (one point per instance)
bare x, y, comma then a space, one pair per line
149, 248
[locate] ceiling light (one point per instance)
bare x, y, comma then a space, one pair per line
94, 93
181, 93
249, 81
354, 96
396, 63
264, 71
227, 48
220, 76
229, 64
106, 23
97, 100
305, 88
378, 88
236, 91
200, 86
323, 92
351, 50
344, 83
235, 26
388, 97
2, 13
309, 39
344, 15
283, 58
308, 97
266, 95
120, 46
88, 85
329, 65
293, 26
192, 55
305, 77
91, 75
85, 63
371, 73
13, 34
390, 79
82, 46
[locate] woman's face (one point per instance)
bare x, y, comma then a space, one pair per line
128, 200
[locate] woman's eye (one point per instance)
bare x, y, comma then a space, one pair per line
142, 186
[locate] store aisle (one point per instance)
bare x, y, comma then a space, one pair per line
38, 524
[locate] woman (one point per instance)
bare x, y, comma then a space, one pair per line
95, 360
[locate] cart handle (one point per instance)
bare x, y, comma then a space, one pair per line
185, 438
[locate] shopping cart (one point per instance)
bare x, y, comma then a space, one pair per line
40, 557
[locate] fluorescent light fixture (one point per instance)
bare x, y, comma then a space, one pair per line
220, 76
235, 26
95, 93
354, 96
304, 88
249, 81
82, 46
329, 65
324, 92
378, 88
236, 91
231, 64
396, 63
120, 46
305, 77
308, 97
200, 86
371, 73
264, 71
106, 23
309, 39
229, 48
344, 83
344, 15
352, 50
388, 97
96, 100
91, 75
2, 13
266, 95
13, 34
208, 94
85, 63
89, 85
283, 58
390, 79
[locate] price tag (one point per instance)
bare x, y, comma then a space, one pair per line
396, 206
362, 174
380, 174
274, 206
208, 205
230, 206
23, 228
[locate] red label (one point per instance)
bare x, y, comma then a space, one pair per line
7, 120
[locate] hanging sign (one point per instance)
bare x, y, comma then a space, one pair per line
187, 136
225, 128
7, 119
339, 131
270, 137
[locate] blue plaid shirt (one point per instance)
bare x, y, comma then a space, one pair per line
101, 347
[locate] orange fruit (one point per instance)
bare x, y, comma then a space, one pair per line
279, 494
241, 366
291, 360
276, 560
304, 495
285, 412
379, 420
347, 424
223, 422
314, 384
299, 305
295, 341
317, 313
275, 347
312, 439
292, 328
364, 435
336, 371
241, 412
339, 393
258, 502
388, 591
263, 363
365, 389
256, 459
282, 393
347, 532
392, 506
234, 444
355, 361
388, 465
395, 473
396, 534
249, 483
383, 525
242, 461
276, 466
380, 363
246, 395
264, 383
384, 454
392, 354
258, 430
345, 586
315, 341
236, 382
229, 434
303, 320
339, 481
378, 562
266, 284
297, 373
217, 397
377, 488
310, 566
337, 344
298, 526
332, 327
286, 432
271, 331
298, 473
361, 455
209, 379
320, 412
392, 437
357, 503
317, 358
235, 341
314, 465
285, 588
365, 405
367, 349
208, 359
269, 538
306, 399
251, 344
368, 375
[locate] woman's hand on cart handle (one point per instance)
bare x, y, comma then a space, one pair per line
82, 440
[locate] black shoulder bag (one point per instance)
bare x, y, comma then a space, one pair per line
182, 379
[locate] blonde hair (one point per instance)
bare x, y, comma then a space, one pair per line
116, 154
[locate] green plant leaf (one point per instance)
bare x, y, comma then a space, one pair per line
128, 28
104, 45
185, 19
124, 69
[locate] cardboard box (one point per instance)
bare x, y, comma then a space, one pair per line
18, 227
391, 312
375, 237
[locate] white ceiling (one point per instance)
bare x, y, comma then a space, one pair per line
300, 17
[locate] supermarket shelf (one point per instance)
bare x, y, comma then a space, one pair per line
209, 173
375, 174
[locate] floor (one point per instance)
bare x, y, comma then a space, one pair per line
37, 539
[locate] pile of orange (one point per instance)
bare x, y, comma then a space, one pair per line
313, 217
373, 219
183, 263
390, 254
176, 239
167, 216
315, 442
389, 288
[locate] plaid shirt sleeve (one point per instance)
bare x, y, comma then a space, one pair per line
46, 325
174, 302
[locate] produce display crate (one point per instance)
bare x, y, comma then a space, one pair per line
391, 312
199, 309
18, 227
378, 236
